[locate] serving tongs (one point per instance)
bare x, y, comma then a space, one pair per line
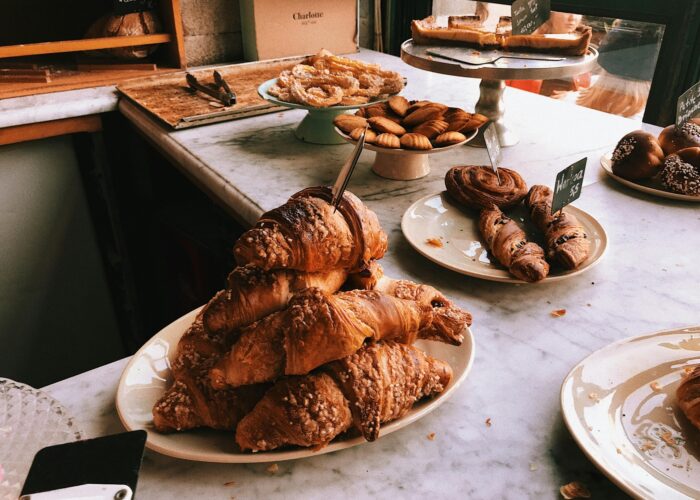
346, 172
220, 91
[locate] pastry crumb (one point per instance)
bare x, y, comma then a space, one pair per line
431, 436
533, 466
434, 242
648, 445
593, 396
230, 483
574, 490
488, 422
619, 451
272, 469
688, 369
669, 439
655, 386
558, 313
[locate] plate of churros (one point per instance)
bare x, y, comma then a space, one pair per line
502, 232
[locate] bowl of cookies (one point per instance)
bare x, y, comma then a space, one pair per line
405, 133
327, 85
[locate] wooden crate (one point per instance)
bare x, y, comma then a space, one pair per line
78, 73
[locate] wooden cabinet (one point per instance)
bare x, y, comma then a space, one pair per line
42, 48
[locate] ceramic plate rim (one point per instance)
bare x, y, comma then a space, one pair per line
402, 151
590, 449
264, 86
421, 411
504, 279
606, 165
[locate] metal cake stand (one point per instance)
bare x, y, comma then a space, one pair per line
493, 74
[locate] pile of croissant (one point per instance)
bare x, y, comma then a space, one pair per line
309, 340
480, 188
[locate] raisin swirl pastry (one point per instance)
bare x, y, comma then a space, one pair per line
479, 187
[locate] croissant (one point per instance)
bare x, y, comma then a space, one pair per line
480, 187
565, 239
308, 234
688, 396
190, 401
317, 328
253, 293
507, 242
377, 384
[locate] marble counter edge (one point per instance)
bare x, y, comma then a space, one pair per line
51, 106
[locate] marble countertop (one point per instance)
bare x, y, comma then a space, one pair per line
57, 105
645, 282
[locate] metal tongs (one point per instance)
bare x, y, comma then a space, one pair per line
346, 172
220, 91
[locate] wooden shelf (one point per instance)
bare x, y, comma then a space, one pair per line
36, 49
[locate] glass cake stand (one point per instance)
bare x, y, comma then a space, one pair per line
30, 420
493, 67
317, 126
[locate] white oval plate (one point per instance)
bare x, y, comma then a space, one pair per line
618, 418
147, 375
463, 251
648, 187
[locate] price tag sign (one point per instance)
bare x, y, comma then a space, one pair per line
568, 185
493, 146
121, 7
688, 105
528, 15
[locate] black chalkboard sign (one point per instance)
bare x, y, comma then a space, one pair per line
121, 7
568, 185
688, 105
528, 15
493, 145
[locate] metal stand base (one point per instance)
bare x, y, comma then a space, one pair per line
490, 104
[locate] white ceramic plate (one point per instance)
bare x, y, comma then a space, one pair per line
463, 250
148, 374
619, 405
645, 186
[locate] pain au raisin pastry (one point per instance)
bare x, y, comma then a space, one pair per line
638, 155
479, 187
308, 234
673, 139
566, 240
377, 384
317, 328
688, 396
508, 244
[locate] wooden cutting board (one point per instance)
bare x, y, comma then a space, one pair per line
168, 97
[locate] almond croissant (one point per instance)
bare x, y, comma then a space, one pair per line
507, 242
253, 293
377, 384
688, 396
308, 234
317, 328
190, 401
566, 241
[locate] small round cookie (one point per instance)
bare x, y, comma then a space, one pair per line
637, 156
431, 128
680, 175
415, 141
449, 138
382, 124
388, 141
347, 123
399, 105
370, 135
430, 111
672, 139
